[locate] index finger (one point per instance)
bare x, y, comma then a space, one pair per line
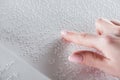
83, 39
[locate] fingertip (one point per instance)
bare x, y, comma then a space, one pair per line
75, 58
65, 35
63, 32
69, 58
68, 35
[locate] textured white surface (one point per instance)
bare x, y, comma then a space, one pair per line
32, 28
13, 68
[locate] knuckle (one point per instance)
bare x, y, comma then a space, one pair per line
84, 35
99, 31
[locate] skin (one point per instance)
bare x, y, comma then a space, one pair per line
107, 42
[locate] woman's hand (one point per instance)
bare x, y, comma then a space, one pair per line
107, 41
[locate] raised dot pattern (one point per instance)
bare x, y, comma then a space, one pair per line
33, 28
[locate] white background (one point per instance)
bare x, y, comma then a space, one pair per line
32, 29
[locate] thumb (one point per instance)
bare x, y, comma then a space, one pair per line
88, 58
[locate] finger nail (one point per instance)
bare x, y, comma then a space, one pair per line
75, 58
63, 32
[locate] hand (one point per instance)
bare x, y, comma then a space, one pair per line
107, 41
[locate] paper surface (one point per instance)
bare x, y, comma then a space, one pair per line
13, 68
31, 28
